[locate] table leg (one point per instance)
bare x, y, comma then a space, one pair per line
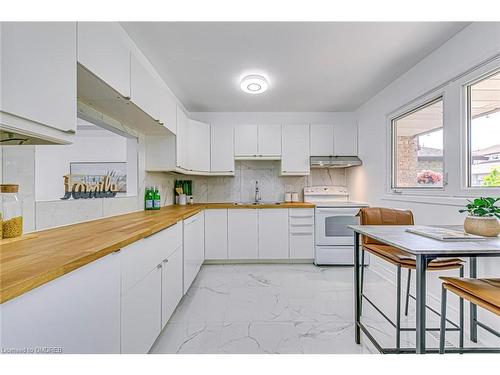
420, 302
357, 314
473, 308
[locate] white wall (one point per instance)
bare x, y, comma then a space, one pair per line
473, 45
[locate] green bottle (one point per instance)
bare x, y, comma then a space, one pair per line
157, 200
149, 200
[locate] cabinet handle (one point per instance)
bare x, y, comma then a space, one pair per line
165, 260
117, 251
301, 234
126, 97
159, 266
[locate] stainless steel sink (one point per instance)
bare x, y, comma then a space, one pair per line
255, 203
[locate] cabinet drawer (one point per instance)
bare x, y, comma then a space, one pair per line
301, 220
301, 245
301, 212
139, 258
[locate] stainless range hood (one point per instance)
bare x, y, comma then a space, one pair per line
334, 161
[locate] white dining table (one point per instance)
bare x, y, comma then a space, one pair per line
424, 249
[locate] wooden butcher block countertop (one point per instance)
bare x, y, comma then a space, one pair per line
39, 257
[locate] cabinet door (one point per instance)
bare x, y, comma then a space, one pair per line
345, 140
216, 234
76, 313
273, 234
269, 140
302, 244
38, 70
199, 146
321, 140
222, 149
102, 50
168, 108
245, 140
141, 314
181, 143
171, 285
242, 233
144, 89
295, 153
194, 248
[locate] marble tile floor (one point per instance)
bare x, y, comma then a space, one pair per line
281, 308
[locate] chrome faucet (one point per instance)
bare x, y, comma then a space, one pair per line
257, 194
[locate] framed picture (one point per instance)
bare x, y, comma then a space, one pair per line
93, 173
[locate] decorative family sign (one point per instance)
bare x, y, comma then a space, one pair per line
105, 187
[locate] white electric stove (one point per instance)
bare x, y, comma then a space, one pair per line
334, 212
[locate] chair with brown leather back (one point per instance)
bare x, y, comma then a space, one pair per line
393, 255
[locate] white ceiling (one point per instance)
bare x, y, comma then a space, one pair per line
334, 66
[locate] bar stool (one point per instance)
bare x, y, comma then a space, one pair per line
481, 292
393, 255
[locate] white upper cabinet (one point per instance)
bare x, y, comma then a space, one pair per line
198, 145
182, 140
257, 141
168, 108
103, 51
38, 71
321, 140
345, 140
222, 149
245, 141
144, 89
269, 140
273, 234
295, 153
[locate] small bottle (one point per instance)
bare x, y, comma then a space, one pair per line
149, 198
11, 214
157, 200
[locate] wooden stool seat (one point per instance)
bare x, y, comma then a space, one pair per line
481, 292
400, 258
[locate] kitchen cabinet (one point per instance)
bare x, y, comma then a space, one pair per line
269, 140
38, 85
321, 140
295, 152
257, 141
216, 234
198, 146
102, 50
222, 149
142, 275
171, 284
301, 233
194, 247
273, 233
75, 313
242, 234
181, 147
168, 108
144, 89
141, 314
245, 141
345, 140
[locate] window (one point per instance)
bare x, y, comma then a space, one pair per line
417, 147
483, 128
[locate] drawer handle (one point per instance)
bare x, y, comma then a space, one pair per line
301, 234
301, 225
301, 217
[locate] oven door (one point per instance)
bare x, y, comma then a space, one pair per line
332, 226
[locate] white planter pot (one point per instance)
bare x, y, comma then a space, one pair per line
482, 226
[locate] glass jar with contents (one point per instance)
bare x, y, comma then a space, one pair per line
12, 211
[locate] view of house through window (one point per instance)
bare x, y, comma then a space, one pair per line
484, 132
418, 147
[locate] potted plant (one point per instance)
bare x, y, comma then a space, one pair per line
483, 217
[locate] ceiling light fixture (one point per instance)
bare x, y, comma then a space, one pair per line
254, 84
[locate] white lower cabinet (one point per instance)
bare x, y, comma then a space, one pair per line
301, 233
273, 233
75, 313
171, 285
141, 314
194, 247
216, 234
242, 236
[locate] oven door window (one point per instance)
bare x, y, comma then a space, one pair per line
337, 226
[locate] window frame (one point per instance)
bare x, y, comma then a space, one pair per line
404, 111
479, 75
